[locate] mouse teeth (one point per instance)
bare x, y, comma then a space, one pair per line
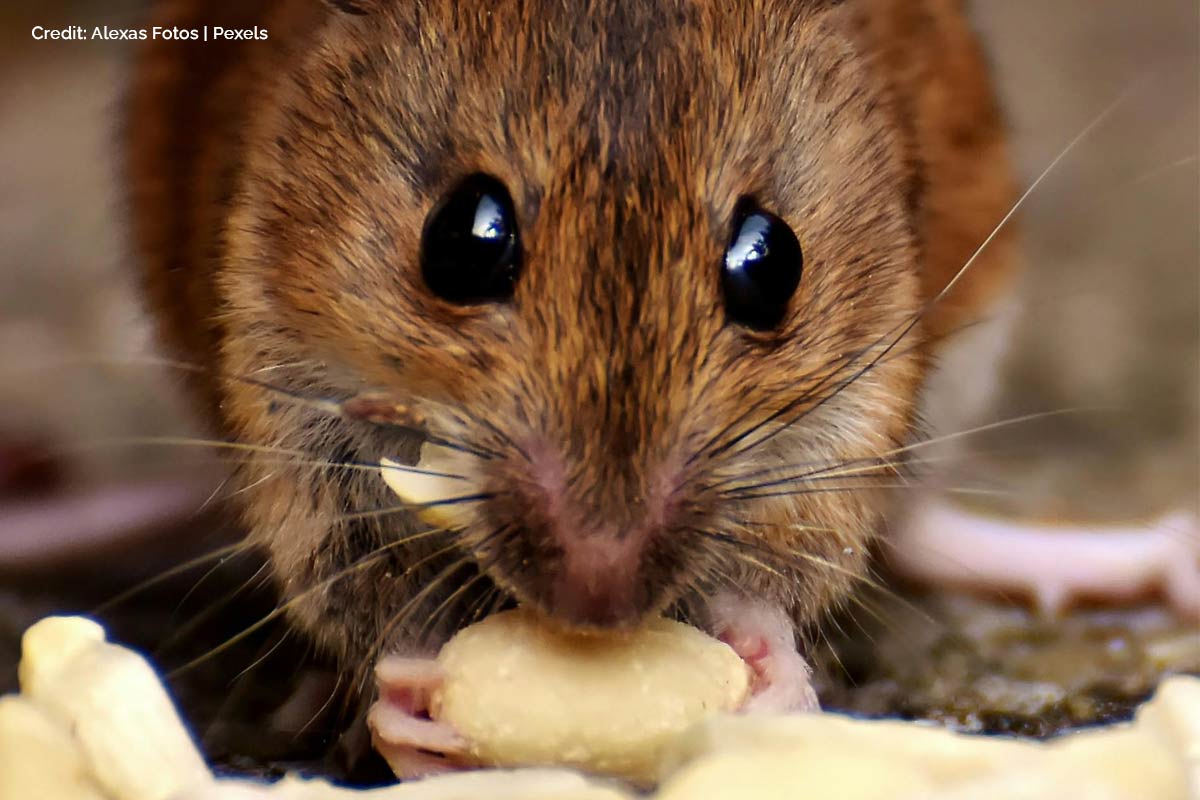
435, 487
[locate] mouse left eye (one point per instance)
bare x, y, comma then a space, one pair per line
469, 248
761, 268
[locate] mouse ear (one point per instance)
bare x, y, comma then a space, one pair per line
359, 8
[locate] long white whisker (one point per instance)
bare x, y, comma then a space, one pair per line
1083, 134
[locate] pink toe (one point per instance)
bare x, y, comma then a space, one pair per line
411, 672
397, 727
412, 744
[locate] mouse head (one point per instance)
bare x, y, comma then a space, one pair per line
649, 264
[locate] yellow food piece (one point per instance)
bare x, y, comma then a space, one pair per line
943, 755
830, 756
427, 484
823, 772
38, 757
122, 721
525, 694
521, 784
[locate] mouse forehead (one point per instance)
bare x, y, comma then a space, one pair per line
548, 91
627, 128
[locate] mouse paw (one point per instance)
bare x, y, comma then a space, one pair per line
764, 636
401, 730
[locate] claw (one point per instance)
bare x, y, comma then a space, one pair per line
764, 636
413, 745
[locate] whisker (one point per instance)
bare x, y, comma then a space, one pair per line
222, 553
1164, 168
320, 712
262, 658
326, 406
784, 558
398, 617
415, 507
430, 623
401, 614
909, 325
1083, 134
473, 613
208, 500
868, 464
818, 468
251, 486
963, 490
368, 560
737, 545
303, 457
182, 632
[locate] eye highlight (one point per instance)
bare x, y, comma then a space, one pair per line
761, 268
470, 250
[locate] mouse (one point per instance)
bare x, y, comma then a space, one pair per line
666, 276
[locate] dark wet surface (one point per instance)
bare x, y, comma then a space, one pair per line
985, 667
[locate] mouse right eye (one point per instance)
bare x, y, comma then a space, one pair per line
761, 268
470, 252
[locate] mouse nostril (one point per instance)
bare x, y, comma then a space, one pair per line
595, 540
597, 583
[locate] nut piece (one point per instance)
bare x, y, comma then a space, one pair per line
124, 724
38, 757
829, 756
525, 694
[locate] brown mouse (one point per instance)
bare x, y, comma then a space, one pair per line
659, 270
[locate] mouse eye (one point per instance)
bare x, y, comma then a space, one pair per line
761, 268
469, 248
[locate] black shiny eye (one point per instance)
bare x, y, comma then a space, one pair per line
761, 269
469, 249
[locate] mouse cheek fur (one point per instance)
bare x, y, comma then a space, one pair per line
806, 552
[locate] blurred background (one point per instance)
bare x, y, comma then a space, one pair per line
1109, 306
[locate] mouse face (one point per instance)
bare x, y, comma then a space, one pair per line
644, 267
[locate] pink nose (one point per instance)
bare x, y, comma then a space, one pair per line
597, 584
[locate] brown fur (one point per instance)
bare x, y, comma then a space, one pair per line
279, 190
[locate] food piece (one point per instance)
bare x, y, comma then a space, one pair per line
38, 757
829, 756
822, 772
899, 756
523, 784
111, 700
439, 476
522, 693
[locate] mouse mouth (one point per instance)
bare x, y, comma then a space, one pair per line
589, 580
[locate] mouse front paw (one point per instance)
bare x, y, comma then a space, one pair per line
413, 744
765, 638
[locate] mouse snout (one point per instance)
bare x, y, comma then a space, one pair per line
596, 583
588, 544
